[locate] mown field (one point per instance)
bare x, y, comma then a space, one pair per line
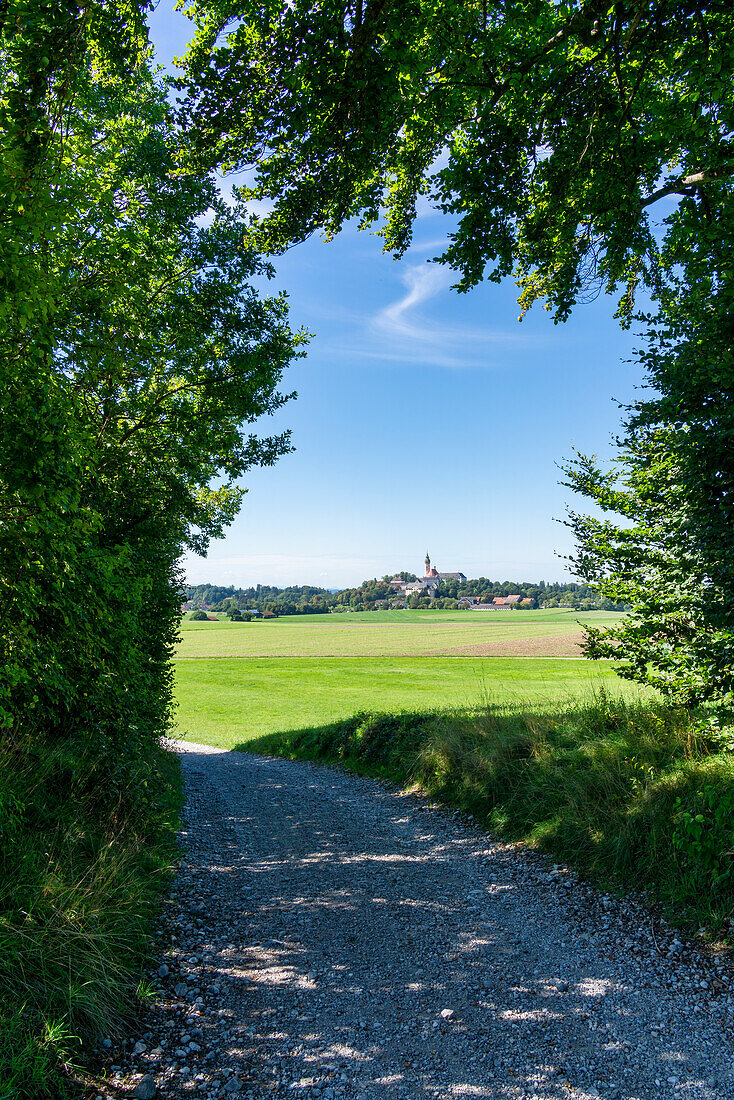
553, 633
237, 681
228, 702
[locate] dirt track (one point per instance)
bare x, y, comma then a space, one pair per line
330, 937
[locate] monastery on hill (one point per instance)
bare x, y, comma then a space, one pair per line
428, 583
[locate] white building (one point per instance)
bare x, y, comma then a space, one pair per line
428, 583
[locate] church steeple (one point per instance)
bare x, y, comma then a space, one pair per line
428, 565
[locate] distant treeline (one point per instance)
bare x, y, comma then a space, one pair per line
374, 595
302, 599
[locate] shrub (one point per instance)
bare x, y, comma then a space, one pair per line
108, 454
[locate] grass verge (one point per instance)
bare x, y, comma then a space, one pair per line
626, 790
83, 863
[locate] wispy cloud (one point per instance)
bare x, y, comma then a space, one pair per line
260, 207
436, 246
424, 281
405, 332
425, 208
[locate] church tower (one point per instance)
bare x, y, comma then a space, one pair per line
428, 565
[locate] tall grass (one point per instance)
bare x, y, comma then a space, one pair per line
82, 866
630, 791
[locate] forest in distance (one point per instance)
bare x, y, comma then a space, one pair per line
373, 595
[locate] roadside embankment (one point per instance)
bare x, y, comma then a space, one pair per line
631, 792
84, 860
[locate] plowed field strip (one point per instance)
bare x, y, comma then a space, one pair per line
552, 645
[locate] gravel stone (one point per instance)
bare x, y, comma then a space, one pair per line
146, 1089
322, 924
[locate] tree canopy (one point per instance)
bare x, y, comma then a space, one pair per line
308, 600
547, 130
670, 556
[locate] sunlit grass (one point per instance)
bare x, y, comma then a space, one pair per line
393, 633
224, 702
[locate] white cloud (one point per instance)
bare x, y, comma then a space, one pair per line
424, 281
424, 208
402, 332
439, 245
260, 207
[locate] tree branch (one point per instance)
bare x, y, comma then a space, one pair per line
682, 185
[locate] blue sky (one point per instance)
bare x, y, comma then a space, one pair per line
424, 419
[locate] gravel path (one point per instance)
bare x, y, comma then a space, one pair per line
331, 937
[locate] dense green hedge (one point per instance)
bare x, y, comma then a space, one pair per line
134, 358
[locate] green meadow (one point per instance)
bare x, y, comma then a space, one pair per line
227, 702
553, 633
238, 681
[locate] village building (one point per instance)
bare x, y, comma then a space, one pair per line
506, 601
499, 603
